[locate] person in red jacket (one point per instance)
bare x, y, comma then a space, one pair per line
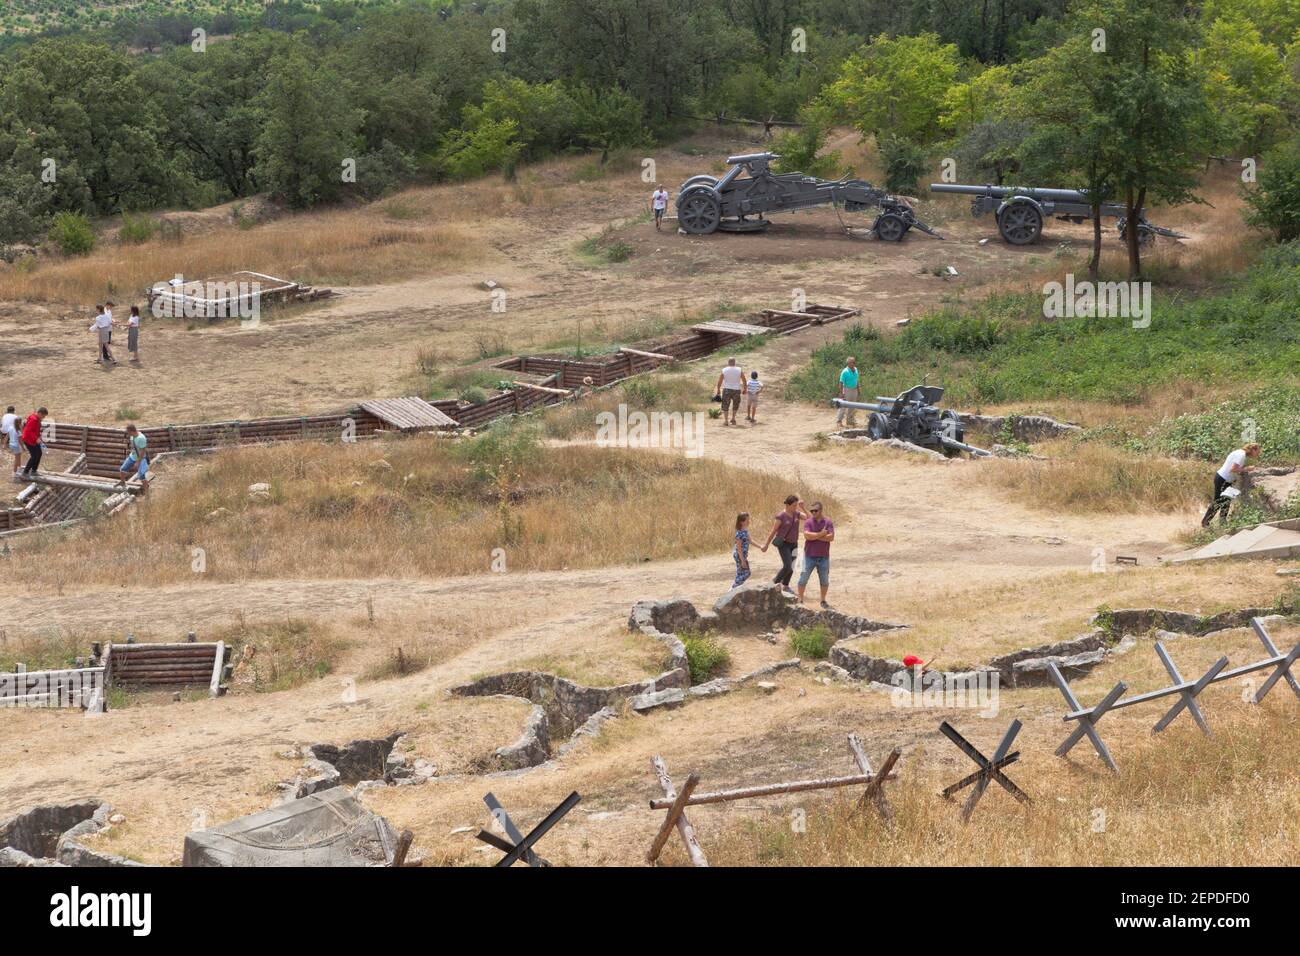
32, 439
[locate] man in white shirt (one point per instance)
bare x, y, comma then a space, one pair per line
731, 382
1233, 467
9, 434
659, 202
102, 326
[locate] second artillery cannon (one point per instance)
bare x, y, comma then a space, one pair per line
1021, 211
915, 417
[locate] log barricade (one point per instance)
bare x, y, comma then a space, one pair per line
156, 666
676, 801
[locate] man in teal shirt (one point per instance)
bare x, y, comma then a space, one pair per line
849, 393
138, 460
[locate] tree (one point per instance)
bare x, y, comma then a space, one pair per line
309, 133
607, 119
1122, 112
896, 86
1247, 85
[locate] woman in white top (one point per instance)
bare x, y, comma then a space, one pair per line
1233, 466
133, 333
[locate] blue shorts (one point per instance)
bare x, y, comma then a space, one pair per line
823, 566
141, 466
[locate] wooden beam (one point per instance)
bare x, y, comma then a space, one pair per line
541, 388
649, 355
767, 790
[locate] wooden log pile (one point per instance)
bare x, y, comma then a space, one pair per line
168, 665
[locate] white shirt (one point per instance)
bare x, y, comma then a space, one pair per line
732, 376
7, 424
1237, 458
102, 321
753, 386
660, 198
133, 321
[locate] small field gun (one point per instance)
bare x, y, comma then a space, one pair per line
915, 417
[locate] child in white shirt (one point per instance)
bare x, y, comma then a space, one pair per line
752, 388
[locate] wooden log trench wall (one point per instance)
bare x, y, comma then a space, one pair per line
101, 449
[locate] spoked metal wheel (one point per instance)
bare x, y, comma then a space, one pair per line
1020, 224
890, 227
699, 212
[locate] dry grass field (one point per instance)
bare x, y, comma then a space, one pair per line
363, 588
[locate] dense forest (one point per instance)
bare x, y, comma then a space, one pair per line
136, 109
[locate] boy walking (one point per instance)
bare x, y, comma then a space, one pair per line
752, 388
659, 202
32, 439
136, 460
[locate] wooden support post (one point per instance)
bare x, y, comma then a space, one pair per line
670, 821
218, 659
683, 825
403, 847
875, 791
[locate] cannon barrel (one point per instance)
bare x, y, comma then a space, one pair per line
865, 406
1003, 192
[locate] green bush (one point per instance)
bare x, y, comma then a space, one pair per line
904, 163
136, 229
643, 393
704, 655
72, 233
812, 642
1275, 201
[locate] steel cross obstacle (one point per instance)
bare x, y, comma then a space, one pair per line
990, 769
1187, 692
676, 802
522, 847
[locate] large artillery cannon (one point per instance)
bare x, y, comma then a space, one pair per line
1021, 211
749, 188
915, 417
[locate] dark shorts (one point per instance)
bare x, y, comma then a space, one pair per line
730, 398
659, 213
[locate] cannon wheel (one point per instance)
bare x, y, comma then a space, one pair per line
890, 227
877, 426
1020, 224
699, 212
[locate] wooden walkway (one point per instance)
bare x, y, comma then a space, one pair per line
408, 414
